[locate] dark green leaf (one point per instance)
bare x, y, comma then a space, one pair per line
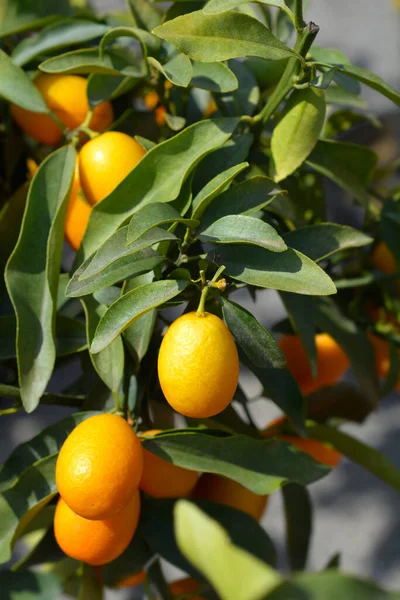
239, 229
138, 335
107, 87
90, 585
390, 226
131, 306
301, 313
320, 241
145, 14
350, 166
216, 186
87, 60
297, 132
214, 38
10, 222
109, 363
369, 458
56, 36
245, 99
26, 585
342, 401
371, 80
48, 441
245, 198
262, 466
153, 215
257, 343
19, 15
217, 6
33, 269
178, 70
16, 87
298, 513
132, 560
216, 77
159, 175
10, 391
126, 267
289, 271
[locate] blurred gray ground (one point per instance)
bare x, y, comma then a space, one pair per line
355, 514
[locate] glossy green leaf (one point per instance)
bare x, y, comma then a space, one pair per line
297, 132
109, 363
245, 99
59, 35
27, 585
115, 248
215, 77
70, 336
240, 229
262, 466
107, 87
156, 525
33, 269
322, 240
158, 176
153, 215
178, 70
245, 198
132, 306
354, 341
257, 343
288, 271
301, 314
369, 458
19, 504
329, 585
298, 514
87, 60
138, 335
145, 14
371, 80
350, 166
233, 572
214, 188
16, 87
19, 15
214, 38
127, 266
48, 441
217, 6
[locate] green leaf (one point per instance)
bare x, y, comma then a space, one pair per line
26, 585
33, 269
138, 335
19, 15
174, 122
298, 131
217, 6
214, 188
136, 556
131, 306
371, 80
355, 344
342, 401
257, 343
390, 226
109, 363
350, 166
48, 441
156, 525
262, 466
11, 216
178, 70
115, 248
289, 271
329, 585
19, 504
10, 391
107, 87
239, 229
245, 99
247, 197
127, 266
301, 311
233, 572
145, 14
369, 458
214, 38
56, 36
16, 87
158, 176
298, 513
90, 586
153, 215
115, 61
215, 77
322, 240
341, 97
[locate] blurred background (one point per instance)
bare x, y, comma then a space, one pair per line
356, 515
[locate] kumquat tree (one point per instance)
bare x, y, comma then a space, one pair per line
160, 169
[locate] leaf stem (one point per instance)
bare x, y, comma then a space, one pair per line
298, 15
201, 309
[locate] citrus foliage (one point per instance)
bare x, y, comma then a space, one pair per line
181, 156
